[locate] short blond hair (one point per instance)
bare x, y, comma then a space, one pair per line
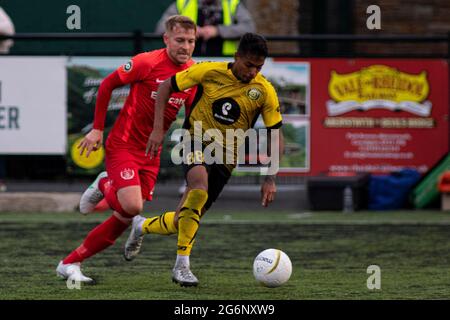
183, 21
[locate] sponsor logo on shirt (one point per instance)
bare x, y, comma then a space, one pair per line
226, 111
127, 174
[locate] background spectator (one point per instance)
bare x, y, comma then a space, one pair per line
6, 28
216, 20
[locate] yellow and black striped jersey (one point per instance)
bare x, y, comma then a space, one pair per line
224, 102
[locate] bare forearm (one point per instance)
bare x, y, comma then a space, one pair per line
164, 91
275, 146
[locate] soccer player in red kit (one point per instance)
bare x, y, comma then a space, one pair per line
131, 175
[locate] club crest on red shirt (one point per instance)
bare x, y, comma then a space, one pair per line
127, 174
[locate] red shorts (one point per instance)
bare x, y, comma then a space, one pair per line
132, 168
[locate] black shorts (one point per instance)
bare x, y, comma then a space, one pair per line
218, 175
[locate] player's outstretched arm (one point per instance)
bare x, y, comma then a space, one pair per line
268, 188
157, 136
94, 139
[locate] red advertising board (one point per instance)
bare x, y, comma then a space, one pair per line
378, 115
339, 115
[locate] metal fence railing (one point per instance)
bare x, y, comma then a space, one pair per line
319, 44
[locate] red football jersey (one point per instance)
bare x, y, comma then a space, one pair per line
144, 73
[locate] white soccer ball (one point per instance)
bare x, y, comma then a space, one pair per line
272, 268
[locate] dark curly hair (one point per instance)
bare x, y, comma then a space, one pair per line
253, 44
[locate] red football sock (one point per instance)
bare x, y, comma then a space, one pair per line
102, 206
100, 238
104, 185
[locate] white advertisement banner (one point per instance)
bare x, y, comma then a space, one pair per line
33, 105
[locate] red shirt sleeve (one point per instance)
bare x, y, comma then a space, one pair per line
133, 71
107, 86
136, 69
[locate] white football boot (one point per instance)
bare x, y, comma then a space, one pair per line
134, 241
92, 196
72, 271
184, 277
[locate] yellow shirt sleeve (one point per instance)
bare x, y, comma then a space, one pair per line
190, 77
271, 109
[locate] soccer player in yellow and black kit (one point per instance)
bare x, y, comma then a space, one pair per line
229, 96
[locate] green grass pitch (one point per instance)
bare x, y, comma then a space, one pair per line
330, 253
